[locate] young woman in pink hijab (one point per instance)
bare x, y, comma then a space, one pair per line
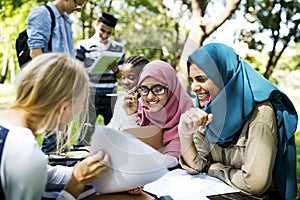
162, 101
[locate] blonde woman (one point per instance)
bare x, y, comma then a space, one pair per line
51, 91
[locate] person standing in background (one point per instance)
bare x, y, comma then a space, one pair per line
88, 51
39, 30
39, 27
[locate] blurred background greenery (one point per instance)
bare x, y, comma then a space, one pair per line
264, 32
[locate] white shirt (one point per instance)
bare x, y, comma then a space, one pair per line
24, 166
120, 120
93, 43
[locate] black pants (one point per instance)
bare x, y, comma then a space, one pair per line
100, 104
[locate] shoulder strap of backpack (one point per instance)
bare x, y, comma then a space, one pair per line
52, 26
3, 135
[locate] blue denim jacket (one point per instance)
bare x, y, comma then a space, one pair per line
39, 27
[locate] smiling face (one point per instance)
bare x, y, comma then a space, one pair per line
154, 102
103, 31
202, 85
129, 76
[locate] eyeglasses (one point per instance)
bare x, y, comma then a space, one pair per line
78, 6
156, 90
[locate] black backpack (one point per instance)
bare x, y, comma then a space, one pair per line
23, 52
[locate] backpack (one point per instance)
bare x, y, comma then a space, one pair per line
23, 52
3, 135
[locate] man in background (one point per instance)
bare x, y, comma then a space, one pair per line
39, 30
39, 27
103, 84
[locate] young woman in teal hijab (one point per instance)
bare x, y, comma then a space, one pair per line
249, 125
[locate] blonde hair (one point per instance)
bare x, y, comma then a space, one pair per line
45, 83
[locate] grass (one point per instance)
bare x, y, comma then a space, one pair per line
7, 95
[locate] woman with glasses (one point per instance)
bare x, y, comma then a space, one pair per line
243, 128
162, 101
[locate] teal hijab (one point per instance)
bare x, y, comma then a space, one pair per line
241, 88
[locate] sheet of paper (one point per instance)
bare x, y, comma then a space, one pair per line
103, 61
132, 162
180, 185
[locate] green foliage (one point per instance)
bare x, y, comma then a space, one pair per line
291, 60
13, 21
9, 8
278, 20
144, 27
137, 16
150, 31
165, 46
280, 17
84, 20
138, 22
148, 4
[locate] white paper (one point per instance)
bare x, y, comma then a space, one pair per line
132, 162
180, 185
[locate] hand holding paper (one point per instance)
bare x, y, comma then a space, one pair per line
102, 63
133, 163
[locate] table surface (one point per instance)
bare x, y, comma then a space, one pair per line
120, 196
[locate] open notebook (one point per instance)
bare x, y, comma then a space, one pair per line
179, 184
132, 162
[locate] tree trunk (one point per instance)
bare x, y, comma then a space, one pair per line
273, 58
192, 42
200, 31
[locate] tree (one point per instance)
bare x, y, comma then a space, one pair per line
13, 15
280, 20
152, 31
138, 21
201, 27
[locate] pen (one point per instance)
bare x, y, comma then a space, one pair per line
115, 94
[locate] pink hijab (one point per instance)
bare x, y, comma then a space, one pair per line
168, 117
